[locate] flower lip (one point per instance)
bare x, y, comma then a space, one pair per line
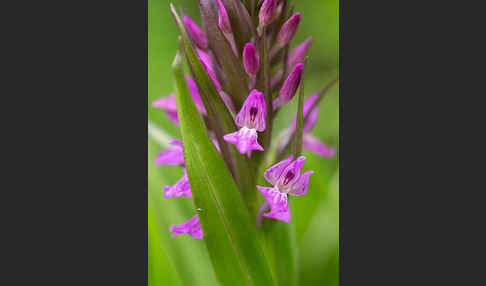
290, 174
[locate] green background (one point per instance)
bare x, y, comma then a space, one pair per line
184, 260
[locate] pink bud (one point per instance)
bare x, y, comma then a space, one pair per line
196, 34
223, 19
251, 61
289, 87
267, 12
288, 30
297, 55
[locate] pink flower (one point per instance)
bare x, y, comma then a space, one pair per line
171, 156
191, 227
181, 188
251, 119
168, 103
286, 179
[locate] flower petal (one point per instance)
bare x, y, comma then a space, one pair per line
191, 227
300, 186
291, 173
313, 144
181, 188
171, 156
167, 103
273, 173
253, 112
278, 203
245, 140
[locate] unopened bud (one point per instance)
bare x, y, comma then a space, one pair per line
298, 54
223, 19
251, 60
289, 87
288, 30
196, 34
267, 12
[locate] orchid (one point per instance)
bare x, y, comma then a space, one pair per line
286, 179
240, 74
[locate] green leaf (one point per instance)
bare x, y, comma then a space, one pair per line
188, 259
229, 232
222, 122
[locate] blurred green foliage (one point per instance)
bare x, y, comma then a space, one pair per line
184, 260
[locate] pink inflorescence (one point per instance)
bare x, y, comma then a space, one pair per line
260, 58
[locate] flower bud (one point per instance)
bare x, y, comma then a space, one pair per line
195, 33
251, 61
297, 55
267, 12
223, 19
289, 87
288, 30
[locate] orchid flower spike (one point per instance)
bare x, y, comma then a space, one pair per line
171, 156
196, 34
191, 227
251, 119
286, 179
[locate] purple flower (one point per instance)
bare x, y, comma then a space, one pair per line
286, 179
297, 54
196, 34
267, 12
171, 156
289, 87
288, 30
223, 19
168, 103
191, 227
251, 119
181, 188
313, 144
251, 60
